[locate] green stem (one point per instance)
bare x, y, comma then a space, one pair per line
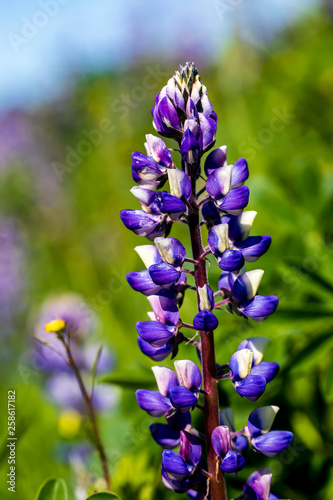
92, 417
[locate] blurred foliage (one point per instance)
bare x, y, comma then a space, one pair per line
274, 103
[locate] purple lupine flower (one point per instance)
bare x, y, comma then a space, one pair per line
184, 99
246, 384
242, 294
150, 171
239, 226
179, 470
266, 369
171, 395
232, 461
229, 259
80, 321
168, 435
228, 198
258, 485
239, 443
183, 112
205, 321
268, 442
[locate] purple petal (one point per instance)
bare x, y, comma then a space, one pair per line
164, 274
155, 353
216, 159
171, 250
166, 379
191, 110
240, 173
155, 333
156, 148
148, 199
211, 214
164, 435
251, 387
205, 321
260, 307
153, 402
208, 128
254, 247
183, 398
235, 200
239, 225
139, 221
193, 495
266, 369
165, 310
232, 462
171, 204
260, 420
190, 147
258, 485
273, 442
218, 183
189, 374
240, 443
174, 465
169, 114
221, 440
179, 420
246, 285
141, 281
226, 283
231, 260
190, 449
146, 168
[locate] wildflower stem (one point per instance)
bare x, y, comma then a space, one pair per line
211, 404
92, 416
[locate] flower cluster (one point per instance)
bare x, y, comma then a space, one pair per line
183, 113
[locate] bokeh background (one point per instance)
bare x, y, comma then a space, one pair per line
67, 67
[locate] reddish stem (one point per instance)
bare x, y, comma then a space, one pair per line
211, 403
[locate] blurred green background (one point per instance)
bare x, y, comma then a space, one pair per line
274, 101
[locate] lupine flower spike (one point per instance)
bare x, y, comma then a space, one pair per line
183, 113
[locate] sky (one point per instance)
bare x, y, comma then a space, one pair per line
44, 42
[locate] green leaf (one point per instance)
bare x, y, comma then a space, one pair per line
95, 366
102, 496
52, 489
128, 380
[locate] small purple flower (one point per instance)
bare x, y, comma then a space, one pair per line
232, 461
258, 485
268, 442
246, 384
171, 395
242, 293
266, 369
205, 321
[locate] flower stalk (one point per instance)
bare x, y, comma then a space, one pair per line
208, 361
91, 414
